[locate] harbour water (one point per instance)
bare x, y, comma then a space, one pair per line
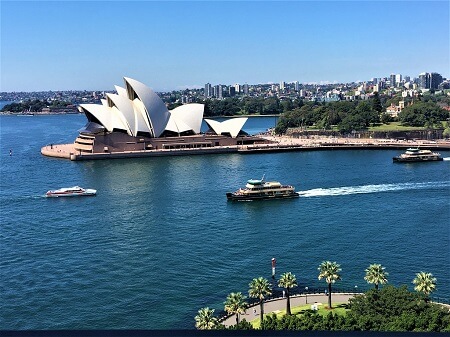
160, 240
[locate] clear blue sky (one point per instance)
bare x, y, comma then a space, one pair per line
92, 45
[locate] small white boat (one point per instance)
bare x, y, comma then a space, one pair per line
70, 192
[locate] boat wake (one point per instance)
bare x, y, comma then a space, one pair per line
365, 189
446, 158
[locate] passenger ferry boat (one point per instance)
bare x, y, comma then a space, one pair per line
417, 155
256, 189
70, 192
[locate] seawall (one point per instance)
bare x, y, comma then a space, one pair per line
67, 151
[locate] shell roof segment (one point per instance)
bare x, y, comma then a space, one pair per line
232, 126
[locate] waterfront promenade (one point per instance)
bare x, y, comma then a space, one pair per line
279, 304
277, 144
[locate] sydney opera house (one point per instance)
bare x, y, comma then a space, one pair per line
136, 122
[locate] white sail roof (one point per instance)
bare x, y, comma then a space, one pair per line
156, 110
189, 114
101, 113
232, 126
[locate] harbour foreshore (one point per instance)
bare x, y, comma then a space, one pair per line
277, 144
279, 304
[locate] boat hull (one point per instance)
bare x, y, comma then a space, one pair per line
237, 197
415, 160
86, 193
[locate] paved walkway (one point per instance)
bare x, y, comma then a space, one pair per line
279, 304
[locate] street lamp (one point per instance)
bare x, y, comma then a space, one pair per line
306, 294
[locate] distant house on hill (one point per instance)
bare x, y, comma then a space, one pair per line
394, 110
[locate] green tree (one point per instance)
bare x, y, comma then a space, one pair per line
376, 103
205, 319
235, 305
330, 272
260, 289
287, 281
422, 114
375, 274
386, 118
272, 106
425, 283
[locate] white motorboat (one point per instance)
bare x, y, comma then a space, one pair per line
71, 192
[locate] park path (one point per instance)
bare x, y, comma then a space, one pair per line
279, 304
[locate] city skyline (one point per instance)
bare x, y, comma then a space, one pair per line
84, 45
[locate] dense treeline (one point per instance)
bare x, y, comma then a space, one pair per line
388, 309
34, 106
347, 116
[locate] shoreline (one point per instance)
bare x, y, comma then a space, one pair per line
278, 144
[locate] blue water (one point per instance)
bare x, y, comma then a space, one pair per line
160, 241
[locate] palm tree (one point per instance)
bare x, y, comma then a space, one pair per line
235, 304
205, 319
260, 288
425, 283
375, 274
330, 272
288, 281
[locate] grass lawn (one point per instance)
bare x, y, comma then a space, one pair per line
338, 308
394, 126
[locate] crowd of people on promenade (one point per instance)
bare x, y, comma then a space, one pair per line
328, 140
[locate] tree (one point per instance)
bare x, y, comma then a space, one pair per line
375, 274
425, 283
205, 319
422, 114
287, 281
235, 304
376, 102
330, 272
386, 118
260, 289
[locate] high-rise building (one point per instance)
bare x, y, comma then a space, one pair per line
208, 90
232, 91
435, 80
237, 87
398, 80
424, 81
296, 86
392, 80
220, 92
282, 85
245, 89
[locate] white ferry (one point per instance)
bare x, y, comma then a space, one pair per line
70, 192
258, 189
417, 155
